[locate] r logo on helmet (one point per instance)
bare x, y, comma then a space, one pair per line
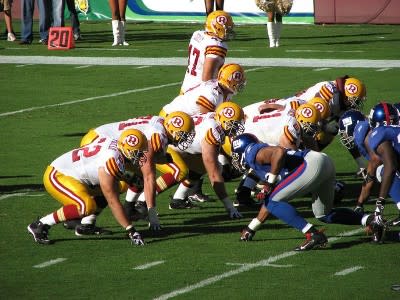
228, 112
237, 76
177, 122
307, 112
132, 140
221, 20
352, 89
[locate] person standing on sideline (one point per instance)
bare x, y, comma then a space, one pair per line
7, 5
118, 9
27, 9
73, 14
209, 4
275, 9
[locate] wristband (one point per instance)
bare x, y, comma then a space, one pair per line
271, 178
254, 224
129, 227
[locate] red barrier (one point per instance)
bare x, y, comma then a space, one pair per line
357, 11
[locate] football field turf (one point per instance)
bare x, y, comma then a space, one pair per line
50, 99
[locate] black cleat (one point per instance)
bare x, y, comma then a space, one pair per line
314, 241
199, 197
40, 232
90, 229
181, 204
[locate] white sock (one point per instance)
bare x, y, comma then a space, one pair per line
49, 220
89, 220
181, 192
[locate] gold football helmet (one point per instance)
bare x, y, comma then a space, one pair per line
309, 118
231, 117
220, 24
180, 128
133, 143
322, 105
355, 93
231, 77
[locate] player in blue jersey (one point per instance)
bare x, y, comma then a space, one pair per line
287, 174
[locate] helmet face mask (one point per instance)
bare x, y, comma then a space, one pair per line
232, 78
383, 114
347, 125
231, 117
239, 146
180, 129
133, 144
220, 24
355, 93
309, 119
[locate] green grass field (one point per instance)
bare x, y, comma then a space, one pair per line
45, 108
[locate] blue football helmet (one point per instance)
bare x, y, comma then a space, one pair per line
397, 105
383, 114
239, 145
347, 124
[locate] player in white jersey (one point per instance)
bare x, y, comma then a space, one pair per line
177, 128
276, 127
208, 95
87, 179
201, 157
207, 50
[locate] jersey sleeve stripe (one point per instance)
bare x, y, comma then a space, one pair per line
216, 51
325, 93
204, 102
288, 134
156, 142
210, 139
112, 168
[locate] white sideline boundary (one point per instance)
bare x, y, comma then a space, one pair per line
244, 268
182, 61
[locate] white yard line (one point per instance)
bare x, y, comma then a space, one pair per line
348, 271
101, 97
149, 265
5, 196
89, 99
244, 268
49, 263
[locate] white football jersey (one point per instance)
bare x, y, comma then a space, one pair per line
326, 90
207, 129
83, 163
201, 45
269, 127
208, 95
151, 126
252, 110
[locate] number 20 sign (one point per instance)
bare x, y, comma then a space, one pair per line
61, 38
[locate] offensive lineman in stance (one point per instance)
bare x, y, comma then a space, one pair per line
87, 179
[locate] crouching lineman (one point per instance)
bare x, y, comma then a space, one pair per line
201, 157
287, 174
86, 179
175, 129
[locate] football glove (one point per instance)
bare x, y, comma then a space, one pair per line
247, 234
154, 223
234, 213
135, 237
265, 191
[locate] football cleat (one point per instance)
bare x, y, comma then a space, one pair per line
181, 204
71, 224
199, 197
90, 229
314, 240
40, 232
359, 209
